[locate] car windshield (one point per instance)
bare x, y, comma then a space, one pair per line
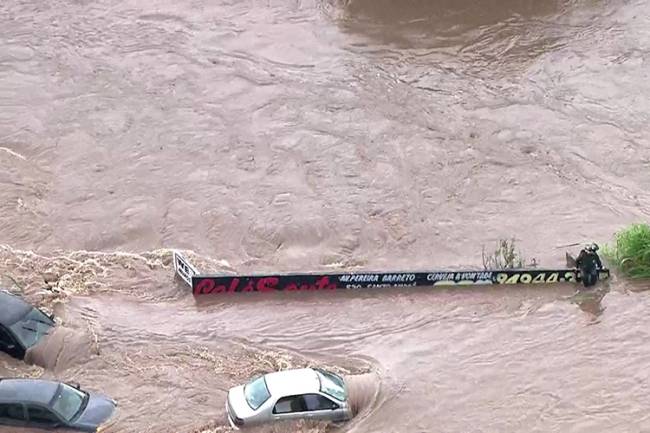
332, 384
68, 401
31, 328
256, 392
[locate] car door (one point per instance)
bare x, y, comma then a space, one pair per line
9, 345
42, 417
320, 407
12, 414
291, 407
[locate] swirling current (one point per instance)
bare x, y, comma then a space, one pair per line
269, 136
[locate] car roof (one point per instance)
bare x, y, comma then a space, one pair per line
12, 308
37, 391
292, 382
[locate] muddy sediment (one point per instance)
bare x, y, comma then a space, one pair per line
322, 135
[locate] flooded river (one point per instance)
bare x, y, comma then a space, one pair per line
318, 135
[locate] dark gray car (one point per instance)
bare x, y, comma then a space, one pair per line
21, 325
50, 404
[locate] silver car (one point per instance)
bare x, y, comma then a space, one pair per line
306, 393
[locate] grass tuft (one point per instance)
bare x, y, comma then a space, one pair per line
631, 251
505, 256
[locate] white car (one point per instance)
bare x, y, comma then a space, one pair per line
307, 393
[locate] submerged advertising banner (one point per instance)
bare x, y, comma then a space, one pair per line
205, 284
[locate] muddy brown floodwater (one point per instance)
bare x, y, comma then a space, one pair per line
307, 135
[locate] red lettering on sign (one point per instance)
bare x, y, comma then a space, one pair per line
204, 286
324, 283
233, 285
248, 287
267, 284
261, 284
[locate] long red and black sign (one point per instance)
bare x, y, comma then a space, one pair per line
215, 284
208, 284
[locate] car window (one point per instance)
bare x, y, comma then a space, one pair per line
31, 328
13, 412
256, 392
318, 402
68, 402
41, 415
290, 405
332, 385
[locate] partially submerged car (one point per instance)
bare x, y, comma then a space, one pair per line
306, 393
49, 404
21, 325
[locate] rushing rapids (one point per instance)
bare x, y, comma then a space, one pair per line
331, 135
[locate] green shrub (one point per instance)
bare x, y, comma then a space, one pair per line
631, 251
